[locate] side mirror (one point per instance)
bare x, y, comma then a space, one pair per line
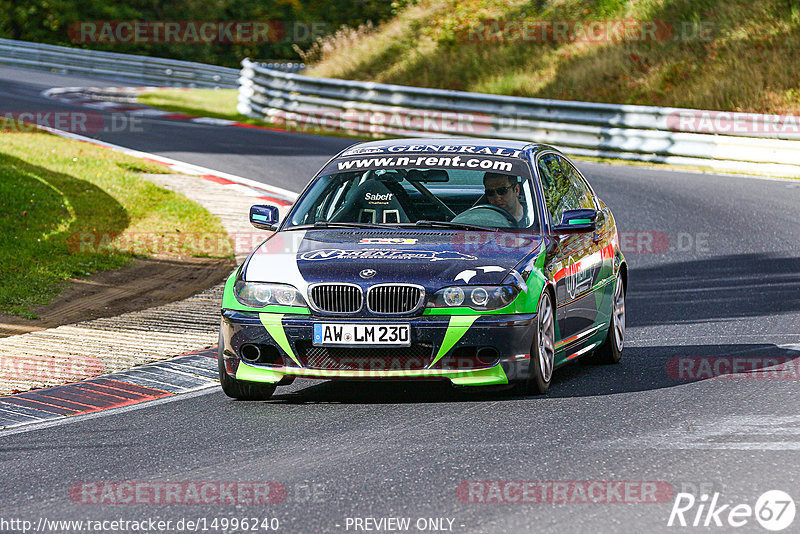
264, 217
577, 221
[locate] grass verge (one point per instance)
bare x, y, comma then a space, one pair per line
705, 54
70, 209
221, 104
215, 103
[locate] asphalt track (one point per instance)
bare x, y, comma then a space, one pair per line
722, 280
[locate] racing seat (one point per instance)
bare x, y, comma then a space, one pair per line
372, 202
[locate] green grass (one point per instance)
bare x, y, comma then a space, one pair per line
746, 61
69, 209
216, 103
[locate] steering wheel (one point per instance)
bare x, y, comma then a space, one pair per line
466, 214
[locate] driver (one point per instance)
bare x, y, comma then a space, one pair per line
502, 191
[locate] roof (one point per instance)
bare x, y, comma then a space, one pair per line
441, 144
451, 141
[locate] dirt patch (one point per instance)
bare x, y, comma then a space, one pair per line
144, 284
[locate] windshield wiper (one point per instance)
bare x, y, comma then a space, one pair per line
448, 224
326, 224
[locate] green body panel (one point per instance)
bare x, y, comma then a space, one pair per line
603, 294
483, 377
272, 322
458, 326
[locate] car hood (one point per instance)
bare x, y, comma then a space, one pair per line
433, 259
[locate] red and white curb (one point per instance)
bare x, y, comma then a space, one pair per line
153, 382
183, 374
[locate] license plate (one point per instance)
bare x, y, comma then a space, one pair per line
330, 334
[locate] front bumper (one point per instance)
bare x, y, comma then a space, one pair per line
502, 344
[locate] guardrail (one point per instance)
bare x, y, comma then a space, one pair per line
284, 66
718, 140
141, 70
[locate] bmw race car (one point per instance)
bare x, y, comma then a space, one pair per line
477, 261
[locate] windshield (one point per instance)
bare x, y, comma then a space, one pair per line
497, 194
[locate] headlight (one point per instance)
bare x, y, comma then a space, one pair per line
259, 294
453, 296
475, 297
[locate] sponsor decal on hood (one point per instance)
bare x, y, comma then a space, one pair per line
383, 254
387, 241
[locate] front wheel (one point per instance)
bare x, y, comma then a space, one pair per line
543, 348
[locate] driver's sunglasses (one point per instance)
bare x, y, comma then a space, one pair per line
497, 191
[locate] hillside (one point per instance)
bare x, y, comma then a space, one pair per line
219, 32
708, 54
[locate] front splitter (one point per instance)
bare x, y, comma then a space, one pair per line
491, 376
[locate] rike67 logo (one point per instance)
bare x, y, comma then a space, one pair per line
774, 510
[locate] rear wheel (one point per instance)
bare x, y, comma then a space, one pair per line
237, 389
611, 349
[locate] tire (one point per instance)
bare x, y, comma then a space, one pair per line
237, 389
540, 367
611, 350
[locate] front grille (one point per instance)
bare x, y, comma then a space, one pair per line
336, 298
394, 298
413, 358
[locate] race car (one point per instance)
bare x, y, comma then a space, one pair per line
476, 261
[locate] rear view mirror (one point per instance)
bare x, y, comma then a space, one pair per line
385, 175
427, 176
264, 217
576, 221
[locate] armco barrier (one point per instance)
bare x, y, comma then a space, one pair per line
770, 144
140, 70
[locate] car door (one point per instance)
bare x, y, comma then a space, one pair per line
602, 245
573, 265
